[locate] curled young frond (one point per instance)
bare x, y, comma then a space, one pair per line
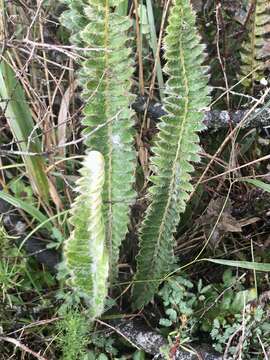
85, 251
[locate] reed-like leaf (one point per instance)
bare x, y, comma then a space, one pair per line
28, 208
154, 45
85, 251
176, 147
242, 264
19, 118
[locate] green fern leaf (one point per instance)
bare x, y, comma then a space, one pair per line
105, 77
176, 147
74, 19
255, 49
85, 251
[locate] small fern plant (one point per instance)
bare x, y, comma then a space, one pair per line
176, 148
105, 77
256, 47
85, 251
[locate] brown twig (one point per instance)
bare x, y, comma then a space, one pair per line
118, 332
23, 347
219, 20
230, 136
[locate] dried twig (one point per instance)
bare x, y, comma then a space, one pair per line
23, 347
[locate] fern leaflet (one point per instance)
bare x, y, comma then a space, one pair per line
255, 49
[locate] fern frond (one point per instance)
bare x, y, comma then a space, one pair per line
85, 251
105, 77
176, 147
256, 48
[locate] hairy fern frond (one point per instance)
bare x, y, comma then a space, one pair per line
176, 147
105, 77
85, 251
255, 50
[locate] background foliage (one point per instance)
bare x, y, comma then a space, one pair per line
227, 214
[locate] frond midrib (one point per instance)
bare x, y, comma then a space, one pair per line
107, 106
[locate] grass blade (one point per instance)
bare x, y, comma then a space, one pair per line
259, 184
31, 210
20, 121
154, 44
242, 264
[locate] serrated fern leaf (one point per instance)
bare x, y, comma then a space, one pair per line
255, 50
85, 251
105, 77
176, 147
